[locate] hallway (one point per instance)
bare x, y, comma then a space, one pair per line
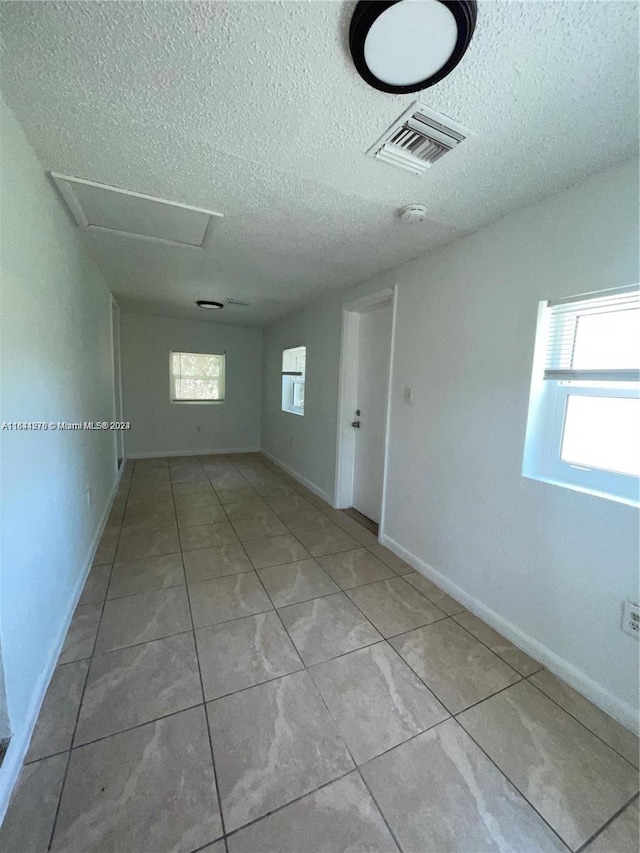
246, 662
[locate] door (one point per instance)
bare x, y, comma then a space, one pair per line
374, 353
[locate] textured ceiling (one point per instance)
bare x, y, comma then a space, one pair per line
254, 109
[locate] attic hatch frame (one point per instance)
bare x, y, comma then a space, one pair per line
65, 185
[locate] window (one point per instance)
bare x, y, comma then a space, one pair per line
196, 377
293, 376
583, 430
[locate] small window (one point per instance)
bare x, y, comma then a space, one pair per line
197, 377
583, 430
293, 375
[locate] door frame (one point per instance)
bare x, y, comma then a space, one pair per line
116, 372
347, 396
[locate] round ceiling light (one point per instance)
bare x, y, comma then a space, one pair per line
403, 46
208, 303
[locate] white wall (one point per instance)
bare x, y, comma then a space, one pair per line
160, 427
55, 366
548, 565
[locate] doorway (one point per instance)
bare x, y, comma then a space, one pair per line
365, 370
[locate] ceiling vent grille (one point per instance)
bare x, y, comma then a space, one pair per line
418, 139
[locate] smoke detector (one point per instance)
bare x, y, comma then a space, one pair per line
417, 139
413, 213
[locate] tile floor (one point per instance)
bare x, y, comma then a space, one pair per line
249, 671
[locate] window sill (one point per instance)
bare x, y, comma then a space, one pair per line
293, 412
634, 502
197, 402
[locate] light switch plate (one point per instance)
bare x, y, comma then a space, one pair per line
408, 394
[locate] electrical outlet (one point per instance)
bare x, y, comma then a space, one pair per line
631, 619
89, 496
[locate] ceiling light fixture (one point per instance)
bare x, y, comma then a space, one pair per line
402, 46
207, 303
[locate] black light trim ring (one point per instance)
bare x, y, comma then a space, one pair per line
208, 303
367, 12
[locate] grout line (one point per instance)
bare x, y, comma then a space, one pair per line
206, 716
584, 725
606, 825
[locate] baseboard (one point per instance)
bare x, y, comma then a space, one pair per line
621, 711
302, 480
157, 454
19, 744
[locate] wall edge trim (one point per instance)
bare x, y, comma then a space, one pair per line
620, 710
302, 480
19, 745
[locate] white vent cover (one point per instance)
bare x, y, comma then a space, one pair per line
417, 139
100, 207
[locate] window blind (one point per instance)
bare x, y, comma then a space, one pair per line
595, 338
197, 376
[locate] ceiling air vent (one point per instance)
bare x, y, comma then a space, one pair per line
417, 139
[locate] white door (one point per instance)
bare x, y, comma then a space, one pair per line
374, 353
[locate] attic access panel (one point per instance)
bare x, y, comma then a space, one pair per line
100, 207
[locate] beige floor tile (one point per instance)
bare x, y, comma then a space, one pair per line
222, 599
150, 788
453, 664
617, 736
328, 540
247, 509
439, 792
263, 730
326, 627
292, 503
207, 536
376, 700
449, 605
95, 588
135, 576
304, 519
242, 494
207, 563
29, 820
355, 568
621, 836
106, 547
143, 506
82, 632
274, 490
574, 780
390, 559
196, 487
263, 526
296, 582
195, 500
394, 607
357, 531
135, 545
148, 522
57, 718
239, 654
275, 551
339, 817
516, 658
143, 617
198, 515
138, 684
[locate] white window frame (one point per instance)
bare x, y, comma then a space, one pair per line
545, 424
289, 382
217, 401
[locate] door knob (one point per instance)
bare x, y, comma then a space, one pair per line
355, 424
